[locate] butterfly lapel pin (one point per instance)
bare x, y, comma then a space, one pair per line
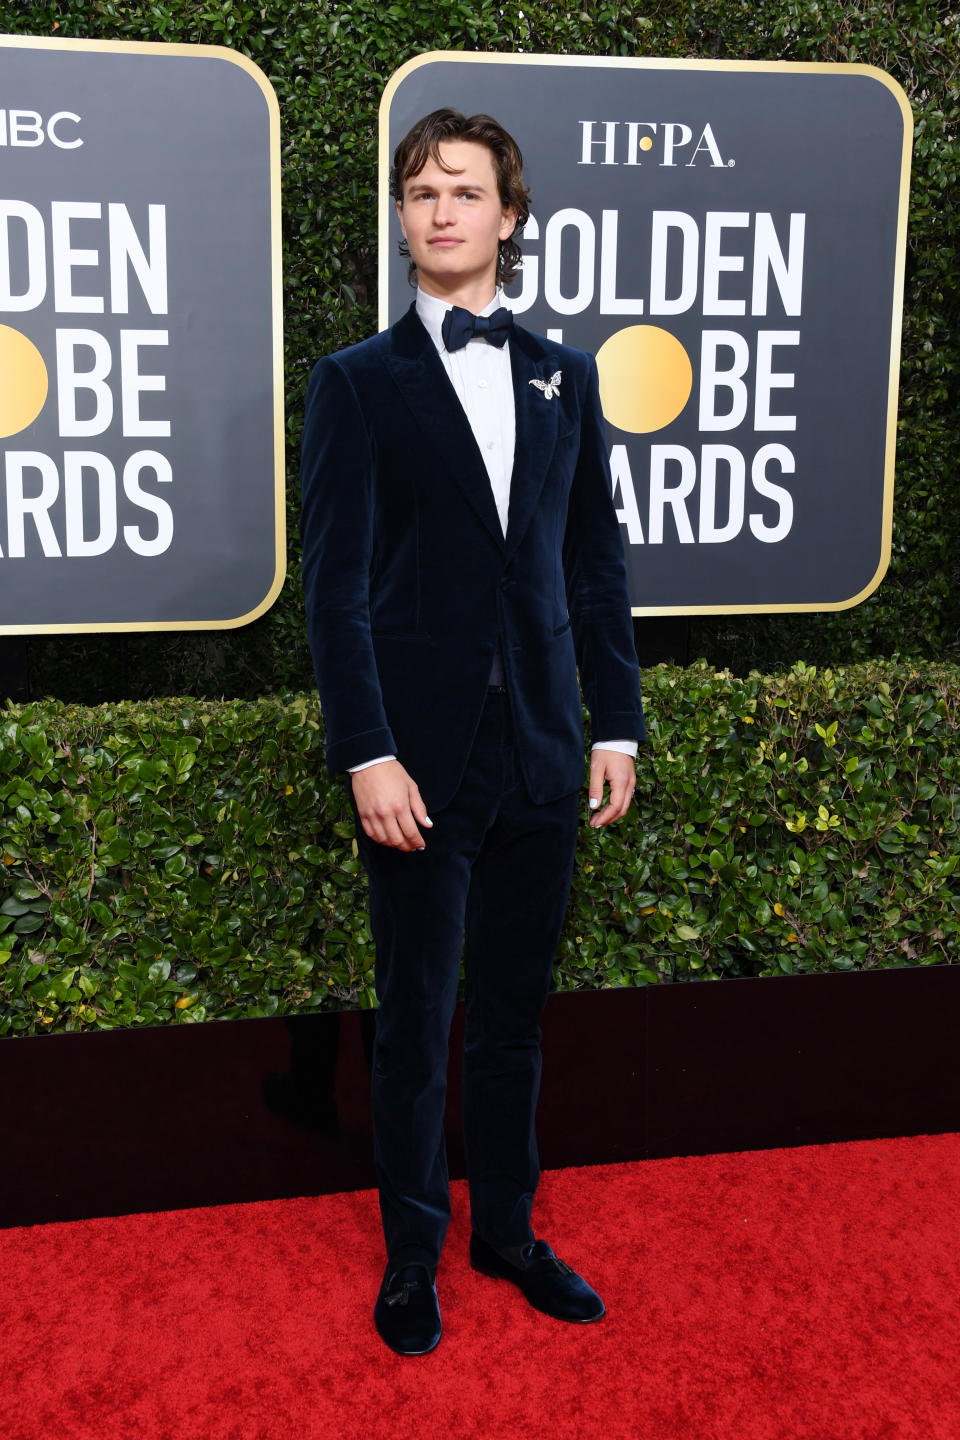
549, 387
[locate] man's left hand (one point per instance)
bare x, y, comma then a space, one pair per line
619, 772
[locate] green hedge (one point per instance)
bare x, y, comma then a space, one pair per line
191, 859
328, 63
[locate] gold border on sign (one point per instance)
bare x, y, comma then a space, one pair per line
231, 57
622, 62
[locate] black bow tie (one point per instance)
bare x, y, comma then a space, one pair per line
459, 326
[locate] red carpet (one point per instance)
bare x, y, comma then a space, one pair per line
807, 1294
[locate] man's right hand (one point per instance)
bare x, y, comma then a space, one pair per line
390, 806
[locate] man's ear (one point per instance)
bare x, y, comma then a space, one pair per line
399, 205
508, 222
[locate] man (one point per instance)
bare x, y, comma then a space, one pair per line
461, 557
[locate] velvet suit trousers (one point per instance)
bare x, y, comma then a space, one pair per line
492, 884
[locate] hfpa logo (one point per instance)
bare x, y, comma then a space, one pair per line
621, 142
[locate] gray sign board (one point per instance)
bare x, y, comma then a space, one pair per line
728, 239
141, 424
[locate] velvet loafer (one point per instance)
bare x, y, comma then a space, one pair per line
548, 1284
407, 1312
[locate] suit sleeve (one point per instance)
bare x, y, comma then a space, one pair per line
337, 531
596, 580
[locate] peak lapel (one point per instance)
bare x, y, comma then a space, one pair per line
419, 375
537, 421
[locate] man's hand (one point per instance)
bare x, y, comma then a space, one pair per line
390, 806
609, 767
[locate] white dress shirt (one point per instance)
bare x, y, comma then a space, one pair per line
482, 377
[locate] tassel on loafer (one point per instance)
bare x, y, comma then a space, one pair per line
407, 1312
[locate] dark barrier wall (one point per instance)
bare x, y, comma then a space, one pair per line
262, 1109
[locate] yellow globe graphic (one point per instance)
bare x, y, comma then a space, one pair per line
645, 378
23, 381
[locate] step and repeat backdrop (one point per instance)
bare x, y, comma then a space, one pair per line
141, 419
728, 239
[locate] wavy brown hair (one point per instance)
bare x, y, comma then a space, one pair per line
422, 143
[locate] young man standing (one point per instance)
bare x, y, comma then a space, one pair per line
461, 560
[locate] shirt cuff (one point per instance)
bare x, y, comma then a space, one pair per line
622, 747
355, 769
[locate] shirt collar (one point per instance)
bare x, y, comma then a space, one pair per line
431, 312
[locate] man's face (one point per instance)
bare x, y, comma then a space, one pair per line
453, 223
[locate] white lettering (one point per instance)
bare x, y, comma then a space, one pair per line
713, 378
663, 222
125, 247
675, 245
132, 383
19, 505
58, 140
26, 128
553, 240
70, 380
629, 512
710, 533
633, 139
768, 258
74, 464
674, 136
610, 129
708, 143
66, 259
768, 379
663, 495
529, 273
36, 289
714, 263
770, 534
148, 460
610, 304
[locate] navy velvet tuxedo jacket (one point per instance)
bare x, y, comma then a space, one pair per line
409, 581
